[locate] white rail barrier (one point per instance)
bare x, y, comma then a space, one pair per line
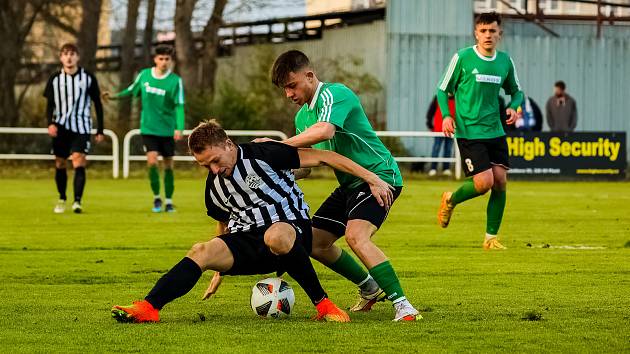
405, 134
127, 157
17, 130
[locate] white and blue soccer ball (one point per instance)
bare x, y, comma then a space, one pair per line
272, 297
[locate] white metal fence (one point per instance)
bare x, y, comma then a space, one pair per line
17, 130
405, 134
127, 157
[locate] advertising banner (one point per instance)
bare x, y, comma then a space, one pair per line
592, 155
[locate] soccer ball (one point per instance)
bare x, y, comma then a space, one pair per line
272, 297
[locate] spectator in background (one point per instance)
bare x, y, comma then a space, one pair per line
531, 118
434, 123
561, 110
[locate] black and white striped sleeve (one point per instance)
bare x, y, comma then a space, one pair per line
214, 211
277, 155
50, 100
95, 94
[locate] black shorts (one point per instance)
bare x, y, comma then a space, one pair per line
252, 256
164, 145
348, 204
479, 155
68, 142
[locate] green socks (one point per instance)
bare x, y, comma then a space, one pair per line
154, 177
494, 212
169, 183
386, 278
465, 192
349, 268
496, 204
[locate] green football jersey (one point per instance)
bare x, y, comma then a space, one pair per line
354, 137
476, 80
162, 98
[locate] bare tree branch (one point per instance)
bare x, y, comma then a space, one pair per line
148, 33
56, 21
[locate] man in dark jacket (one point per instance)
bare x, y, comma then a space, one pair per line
561, 110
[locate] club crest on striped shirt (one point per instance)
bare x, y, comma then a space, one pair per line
253, 181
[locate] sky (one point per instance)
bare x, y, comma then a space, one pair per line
165, 9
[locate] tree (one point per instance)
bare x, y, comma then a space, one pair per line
16, 21
87, 37
61, 14
211, 45
197, 67
147, 37
128, 65
185, 43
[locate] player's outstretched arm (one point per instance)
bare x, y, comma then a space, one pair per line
213, 287
316, 133
381, 190
216, 278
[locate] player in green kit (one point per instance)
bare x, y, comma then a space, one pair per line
475, 75
161, 121
332, 118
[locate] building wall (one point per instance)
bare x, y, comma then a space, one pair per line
315, 7
551, 7
365, 42
595, 70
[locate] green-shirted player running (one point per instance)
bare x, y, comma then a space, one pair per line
161, 120
332, 118
475, 75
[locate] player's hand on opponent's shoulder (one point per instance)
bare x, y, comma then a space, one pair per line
214, 285
52, 130
382, 191
512, 116
99, 137
448, 126
262, 140
178, 135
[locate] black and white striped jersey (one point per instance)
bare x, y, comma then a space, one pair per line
261, 189
69, 101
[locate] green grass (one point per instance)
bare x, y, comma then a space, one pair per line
60, 275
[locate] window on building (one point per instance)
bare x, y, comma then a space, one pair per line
521, 5
485, 5
550, 6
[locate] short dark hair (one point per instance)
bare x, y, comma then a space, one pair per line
69, 47
163, 49
208, 133
487, 18
288, 62
561, 85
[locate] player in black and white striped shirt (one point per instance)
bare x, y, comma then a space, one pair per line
70, 92
262, 215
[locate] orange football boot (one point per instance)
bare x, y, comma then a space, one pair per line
328, 311
138, 312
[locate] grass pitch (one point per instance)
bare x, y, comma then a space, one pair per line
562, 286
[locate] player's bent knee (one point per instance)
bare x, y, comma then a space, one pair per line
198, 252
152, 158
500, 185
356, 239
60, 163
484, 183
280, 239
322, 245
500, 182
